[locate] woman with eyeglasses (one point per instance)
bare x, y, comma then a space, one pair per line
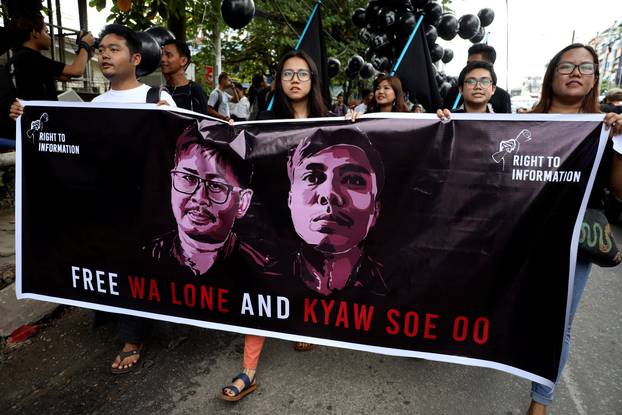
570, 86
477, 83
297, 95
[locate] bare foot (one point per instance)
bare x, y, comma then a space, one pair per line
130, 360
239, 383
536, 409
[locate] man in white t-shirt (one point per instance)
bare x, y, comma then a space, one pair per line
242, 109
118, 56
367, 95
218, 101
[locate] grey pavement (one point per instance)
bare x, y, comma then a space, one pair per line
64, 370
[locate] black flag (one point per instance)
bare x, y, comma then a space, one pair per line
417, 73
312, 42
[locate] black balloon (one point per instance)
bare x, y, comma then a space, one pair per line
369, 52
150, 51
160, 34
436, 52
408, 20
439, 78
430, 34
358, 17
367, 71
448, 55
447, 28
333, 66
380, 41
387, 18
468, 26
365, 35
433, 12
350, 73
355, 63
381, 63
486, 16
371, 14
444, 89
479, 36
419, 4
237, 13
452, 80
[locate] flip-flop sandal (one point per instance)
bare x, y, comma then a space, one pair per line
123, 355
303, 347
239, 394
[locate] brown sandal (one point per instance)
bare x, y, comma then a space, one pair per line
249, 386
303, 347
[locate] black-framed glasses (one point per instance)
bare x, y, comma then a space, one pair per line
302, 74
484, 82
188, 184
585, 68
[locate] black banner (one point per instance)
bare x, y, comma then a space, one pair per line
398, 235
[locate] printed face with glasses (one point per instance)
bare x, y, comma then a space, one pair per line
206, 196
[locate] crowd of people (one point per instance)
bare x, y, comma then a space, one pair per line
570, 86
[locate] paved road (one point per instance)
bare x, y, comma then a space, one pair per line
64, 370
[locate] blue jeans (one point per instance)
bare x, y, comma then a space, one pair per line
541, 393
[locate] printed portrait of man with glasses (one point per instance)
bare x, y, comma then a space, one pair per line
209, 192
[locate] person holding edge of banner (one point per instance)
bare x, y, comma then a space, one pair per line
570, 86
297, 95
477, 83
119, 55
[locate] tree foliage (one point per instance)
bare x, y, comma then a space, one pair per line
274, 30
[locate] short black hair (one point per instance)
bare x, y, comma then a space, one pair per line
222, 76
22, 25
322, 139
365, 92
132, 41
477, 65
486, 51
215, 139
182, 48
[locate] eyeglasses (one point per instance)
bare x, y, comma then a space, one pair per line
303, 75
585, 68
483, 82
188, 184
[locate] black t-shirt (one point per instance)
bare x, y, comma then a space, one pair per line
190, 96
500, 100
35, 75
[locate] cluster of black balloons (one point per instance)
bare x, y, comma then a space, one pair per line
387, 24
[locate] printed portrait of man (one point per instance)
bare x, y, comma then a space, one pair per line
336, 179
209, 192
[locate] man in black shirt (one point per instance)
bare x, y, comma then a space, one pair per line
500, 101
35, 74
187, 94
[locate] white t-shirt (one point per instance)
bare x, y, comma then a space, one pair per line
241, 109
223, 108
362, 108
136, 95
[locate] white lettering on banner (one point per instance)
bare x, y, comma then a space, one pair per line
103, 286
546, 176
264, 306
